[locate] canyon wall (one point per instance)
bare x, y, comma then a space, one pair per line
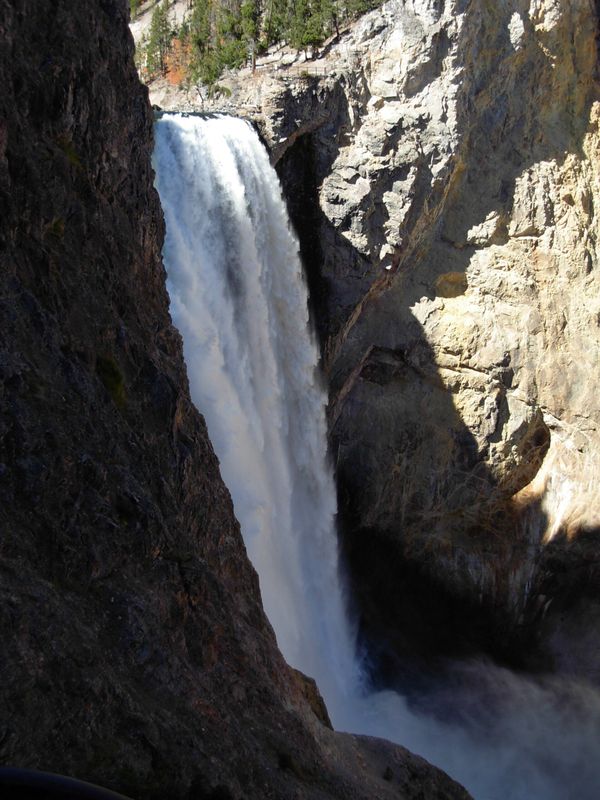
441, 165
135, 649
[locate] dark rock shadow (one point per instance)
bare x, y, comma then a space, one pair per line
312, 144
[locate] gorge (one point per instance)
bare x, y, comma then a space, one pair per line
136, 653
440, 164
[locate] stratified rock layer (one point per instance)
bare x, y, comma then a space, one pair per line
444, 179
135, 650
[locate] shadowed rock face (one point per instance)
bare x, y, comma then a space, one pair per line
135, 650
446, 212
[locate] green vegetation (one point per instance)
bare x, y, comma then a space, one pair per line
216, 90
111, 376
221, 34
134, 6
159, 40
55, 229
66, 145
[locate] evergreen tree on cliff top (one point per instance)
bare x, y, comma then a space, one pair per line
228, 34
159, 40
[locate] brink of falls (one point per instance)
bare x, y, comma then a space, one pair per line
238, 298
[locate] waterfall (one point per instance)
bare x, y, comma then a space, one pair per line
239, 300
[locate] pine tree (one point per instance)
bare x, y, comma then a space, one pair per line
276, 20
200, 24
307, 25
330, 14
221, 34
250, 18
159, 39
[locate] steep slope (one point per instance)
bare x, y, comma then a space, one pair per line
135, 649
443, 178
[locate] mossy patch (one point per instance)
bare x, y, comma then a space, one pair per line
66, 145
55, 229
111, 376
217, 91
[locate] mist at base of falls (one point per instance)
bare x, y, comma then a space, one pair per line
239, 300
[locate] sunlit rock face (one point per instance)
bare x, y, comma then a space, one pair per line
443, 179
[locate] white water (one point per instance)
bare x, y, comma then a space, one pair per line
238, 298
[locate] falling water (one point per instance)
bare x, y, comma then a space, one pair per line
239, 300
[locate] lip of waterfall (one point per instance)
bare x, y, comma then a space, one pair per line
159, 114
239, 300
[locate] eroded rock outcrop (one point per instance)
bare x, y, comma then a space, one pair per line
464, 418
135, 649
443, 176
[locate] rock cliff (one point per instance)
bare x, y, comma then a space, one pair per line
441, 165
135, 649
461, 332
